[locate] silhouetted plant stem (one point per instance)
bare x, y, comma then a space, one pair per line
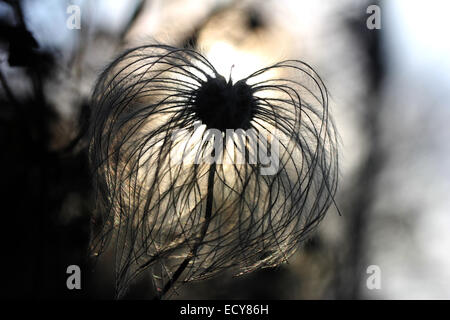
193, 253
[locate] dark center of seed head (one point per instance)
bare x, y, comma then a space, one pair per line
223, 105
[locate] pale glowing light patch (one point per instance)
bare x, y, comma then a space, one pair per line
420, 32
239, 64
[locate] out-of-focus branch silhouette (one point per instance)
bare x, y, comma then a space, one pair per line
46, 189
360, 197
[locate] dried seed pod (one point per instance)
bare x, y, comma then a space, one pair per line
166, 136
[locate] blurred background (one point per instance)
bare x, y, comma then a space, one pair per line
388, 92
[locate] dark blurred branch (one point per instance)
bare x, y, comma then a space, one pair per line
17, 7
362, 195
7, 90
136, 14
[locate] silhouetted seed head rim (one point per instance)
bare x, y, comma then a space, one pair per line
273, 213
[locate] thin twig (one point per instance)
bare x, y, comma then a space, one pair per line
193, 253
